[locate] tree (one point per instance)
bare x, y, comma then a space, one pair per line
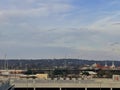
28, 72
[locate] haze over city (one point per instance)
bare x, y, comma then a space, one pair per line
86, 29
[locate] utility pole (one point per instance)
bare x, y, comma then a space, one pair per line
6, 63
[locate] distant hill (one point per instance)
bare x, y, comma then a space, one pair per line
50, 63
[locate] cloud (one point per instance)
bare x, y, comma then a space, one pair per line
116, 23
2, 17
34, 12
57, 25
107, 24
42, 9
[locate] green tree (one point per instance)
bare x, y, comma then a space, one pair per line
28, 72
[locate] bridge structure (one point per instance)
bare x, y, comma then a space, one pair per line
38, 84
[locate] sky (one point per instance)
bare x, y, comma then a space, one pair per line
42, 29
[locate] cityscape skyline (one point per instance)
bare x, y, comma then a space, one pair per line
33, 29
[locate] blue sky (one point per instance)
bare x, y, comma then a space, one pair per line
87, 29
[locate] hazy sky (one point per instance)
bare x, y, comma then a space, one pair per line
87, 29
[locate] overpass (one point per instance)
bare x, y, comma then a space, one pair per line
38, 84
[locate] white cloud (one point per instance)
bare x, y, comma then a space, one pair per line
42, 9
2, 17
57, 23
107, 24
